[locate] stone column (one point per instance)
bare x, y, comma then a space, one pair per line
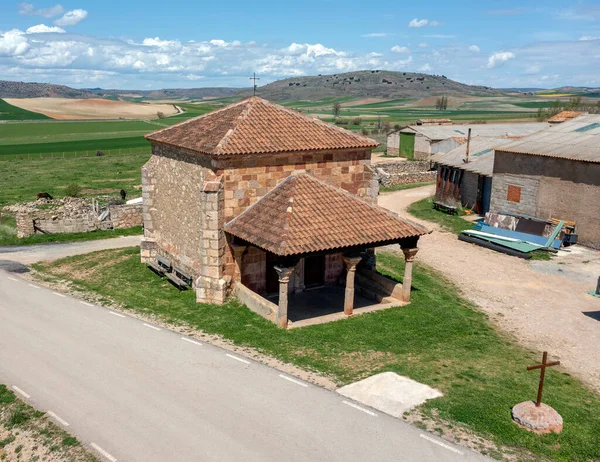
409, 258
284, 273
351, 263
238, 252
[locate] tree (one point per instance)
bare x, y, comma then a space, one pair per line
337, 107
441, 103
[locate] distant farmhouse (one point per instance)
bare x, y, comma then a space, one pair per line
263, 202
553, 174
421, 141
467, 180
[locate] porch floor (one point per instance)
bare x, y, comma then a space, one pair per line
325, 304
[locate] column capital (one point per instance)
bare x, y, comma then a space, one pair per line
409, 254
284, 273
352, 262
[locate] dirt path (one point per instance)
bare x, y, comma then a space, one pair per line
544, 304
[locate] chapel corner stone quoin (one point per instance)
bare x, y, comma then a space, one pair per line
270, 205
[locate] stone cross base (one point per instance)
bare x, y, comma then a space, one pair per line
541, 419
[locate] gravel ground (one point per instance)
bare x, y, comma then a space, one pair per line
544, 304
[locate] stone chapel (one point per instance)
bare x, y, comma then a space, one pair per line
264, 203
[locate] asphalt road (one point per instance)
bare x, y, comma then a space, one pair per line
135, 392
28, 254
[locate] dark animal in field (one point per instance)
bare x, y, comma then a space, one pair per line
123, 194
44, 195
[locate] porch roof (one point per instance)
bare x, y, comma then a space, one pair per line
303, 214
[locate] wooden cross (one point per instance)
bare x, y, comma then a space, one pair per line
255, 79
542, 368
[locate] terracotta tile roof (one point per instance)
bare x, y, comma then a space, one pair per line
563, 116
304, 214
254, 126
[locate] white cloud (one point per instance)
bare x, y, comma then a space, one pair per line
13, 43
376, 34
43, 28
27, 9
590, 37
425, 68
474, 49
399, 64
499, 58
440, 36
423, 45
436, 23
399, 49
418, 22
71, 18
374, 54
533, 69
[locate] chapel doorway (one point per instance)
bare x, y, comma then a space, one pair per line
314, 271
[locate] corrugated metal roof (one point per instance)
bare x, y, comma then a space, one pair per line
576, 139
481, 155
442, 132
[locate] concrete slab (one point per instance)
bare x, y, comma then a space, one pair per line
390, 393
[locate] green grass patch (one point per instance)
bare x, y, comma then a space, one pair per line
10, 112
22, 180
402, 187
59, 147
22, 426
424, 210
440, 340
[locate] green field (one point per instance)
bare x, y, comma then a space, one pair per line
10, 112
22, 180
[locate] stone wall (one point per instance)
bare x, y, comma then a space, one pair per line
550, 188
334, 267
125, 216
249, 178
394, 173
72, 215
254, 269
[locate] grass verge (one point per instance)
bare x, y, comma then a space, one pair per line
27, 434
424, 210
440, 339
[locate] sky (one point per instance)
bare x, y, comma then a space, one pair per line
131, 44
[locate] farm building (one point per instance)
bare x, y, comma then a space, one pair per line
553, 174
262, 202
421, 141
469, 183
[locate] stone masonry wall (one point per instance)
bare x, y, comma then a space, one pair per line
334, 267
126, 216
82, 219
254, 269
248, 178
393, 173
172, 182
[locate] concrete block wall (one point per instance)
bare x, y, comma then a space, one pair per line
393, 144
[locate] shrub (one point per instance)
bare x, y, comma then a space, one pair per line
364, 131
99, 153
160, 115
356, 121
73, 190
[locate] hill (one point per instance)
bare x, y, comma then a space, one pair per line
183, 94
9, 89
367, 84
